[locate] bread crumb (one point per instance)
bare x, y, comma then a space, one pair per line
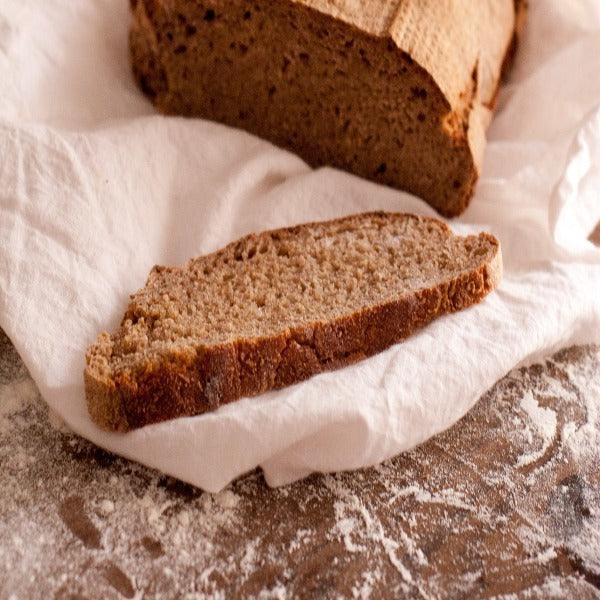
106, 507
227, 499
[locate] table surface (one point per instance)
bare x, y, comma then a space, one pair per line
504, 504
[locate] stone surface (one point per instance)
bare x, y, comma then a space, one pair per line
505, 502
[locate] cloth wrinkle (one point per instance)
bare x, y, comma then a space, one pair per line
95, 189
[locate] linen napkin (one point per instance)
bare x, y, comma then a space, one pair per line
95, 188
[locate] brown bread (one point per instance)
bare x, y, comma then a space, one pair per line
275, 308
397, 91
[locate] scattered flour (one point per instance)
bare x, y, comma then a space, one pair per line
155, 512
543, 557
106, 507
204, 576
57, 422
551, 588
447, 497
371, 528
584, 440
14, 397
544, 422
278, 592
303, 537
248, 562
227, 499
346, 526
364, 590
184, 518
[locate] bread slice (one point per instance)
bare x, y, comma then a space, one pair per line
396, 91
275, 308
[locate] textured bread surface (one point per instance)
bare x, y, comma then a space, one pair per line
272, 309
396, 91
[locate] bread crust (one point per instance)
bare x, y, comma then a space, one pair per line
194, 381
430, 144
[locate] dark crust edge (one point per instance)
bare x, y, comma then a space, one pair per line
151, 78
192, 383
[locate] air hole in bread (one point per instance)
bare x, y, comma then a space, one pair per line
419, 93
363, 57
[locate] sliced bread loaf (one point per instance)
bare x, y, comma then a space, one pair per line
275, 308
397, 91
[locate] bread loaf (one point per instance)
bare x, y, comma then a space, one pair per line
275, 308
397, 91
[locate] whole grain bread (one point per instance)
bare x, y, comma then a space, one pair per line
275, 308
397, 91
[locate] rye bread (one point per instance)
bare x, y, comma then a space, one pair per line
396, 91
274, 308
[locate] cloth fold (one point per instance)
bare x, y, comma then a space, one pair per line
95, 189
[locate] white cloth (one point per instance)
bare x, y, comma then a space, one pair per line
95, 188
